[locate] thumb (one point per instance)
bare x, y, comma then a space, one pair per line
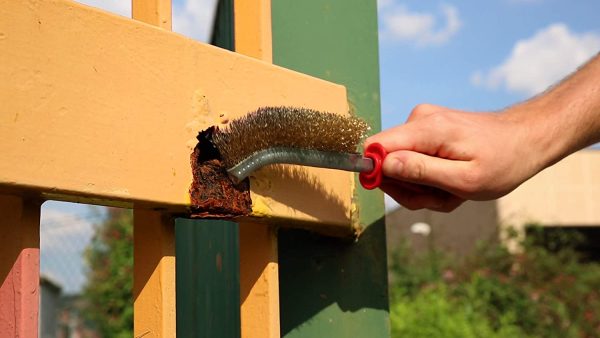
414, 167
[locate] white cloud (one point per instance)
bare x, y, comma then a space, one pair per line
384, 3
422, 28
120, 7
194, 18
541, 60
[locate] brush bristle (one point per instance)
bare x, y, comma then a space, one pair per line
289, 127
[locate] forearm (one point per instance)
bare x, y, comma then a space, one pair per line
565, 118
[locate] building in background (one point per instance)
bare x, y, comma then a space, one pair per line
50, 293
566, 196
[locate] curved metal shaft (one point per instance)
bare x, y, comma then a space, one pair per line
305, 157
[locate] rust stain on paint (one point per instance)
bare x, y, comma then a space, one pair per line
213, 194
219, 262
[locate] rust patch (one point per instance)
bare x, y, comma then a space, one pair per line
213, 194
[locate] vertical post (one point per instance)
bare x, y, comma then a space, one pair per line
154, 233
253, 29
259, 281
208, 278
328, 287
19, 266
153, 12
259, 271
153, 274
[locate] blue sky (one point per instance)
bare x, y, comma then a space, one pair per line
478, 55
463, 56
472, 55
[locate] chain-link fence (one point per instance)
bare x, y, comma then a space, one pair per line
66, 230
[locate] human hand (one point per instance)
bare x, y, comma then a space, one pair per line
440, 157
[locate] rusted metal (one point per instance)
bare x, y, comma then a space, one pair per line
212, 193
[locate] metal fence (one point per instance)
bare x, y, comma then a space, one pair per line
66, 230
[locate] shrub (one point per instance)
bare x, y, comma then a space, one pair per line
543, 291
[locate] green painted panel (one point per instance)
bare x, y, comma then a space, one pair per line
333, 288
207, 278
329, 287
223, 34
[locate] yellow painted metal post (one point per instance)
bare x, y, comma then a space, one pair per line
154, 12
259, 270
259, 281
154, 234
154, 274
19, 266
253, 28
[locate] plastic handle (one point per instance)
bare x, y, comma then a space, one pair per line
372, 179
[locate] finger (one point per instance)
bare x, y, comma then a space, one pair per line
438, 201
421, 136
411, 187
427, 170
409, 136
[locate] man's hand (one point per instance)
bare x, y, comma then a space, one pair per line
440, 157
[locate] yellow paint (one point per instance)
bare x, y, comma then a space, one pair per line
259, 281
253, 28
261, 206
154, 275
154, 234
95, 98
154, 12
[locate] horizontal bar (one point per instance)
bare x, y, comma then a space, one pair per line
101, 109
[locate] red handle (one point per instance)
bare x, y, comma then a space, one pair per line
371, 180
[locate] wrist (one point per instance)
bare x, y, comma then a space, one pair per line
539, 129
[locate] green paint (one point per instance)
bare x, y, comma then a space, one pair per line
328, 287
223, 34
207, 252
208, 278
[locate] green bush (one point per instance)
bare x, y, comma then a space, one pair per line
434, 312
110, 281
543, 291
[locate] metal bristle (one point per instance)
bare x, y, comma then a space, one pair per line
290, 127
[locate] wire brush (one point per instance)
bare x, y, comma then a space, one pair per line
300, 136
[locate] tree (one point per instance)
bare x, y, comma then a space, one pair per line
108, 292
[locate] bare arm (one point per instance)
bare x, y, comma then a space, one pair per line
441, 157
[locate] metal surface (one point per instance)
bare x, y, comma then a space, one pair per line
331, 288
102, 109
208, 278
304, 157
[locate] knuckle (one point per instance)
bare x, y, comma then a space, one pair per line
421, 110
438, 120
416, 170
472, 181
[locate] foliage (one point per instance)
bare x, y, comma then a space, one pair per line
542, 291
109, 290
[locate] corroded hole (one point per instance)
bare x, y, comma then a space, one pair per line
212, 193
